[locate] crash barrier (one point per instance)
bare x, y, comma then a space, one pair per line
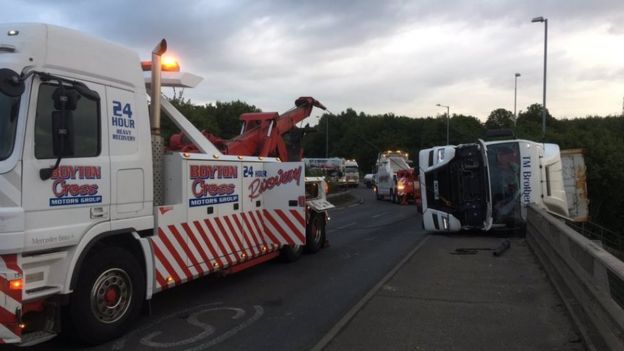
589, 279
612, 241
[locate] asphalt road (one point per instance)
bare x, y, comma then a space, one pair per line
278, 306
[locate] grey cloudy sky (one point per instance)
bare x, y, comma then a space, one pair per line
374, 56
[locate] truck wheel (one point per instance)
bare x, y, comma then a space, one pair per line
379, 197
315, 234
107, 298
291, 253
392, 196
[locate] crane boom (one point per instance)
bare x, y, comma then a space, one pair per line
261, 135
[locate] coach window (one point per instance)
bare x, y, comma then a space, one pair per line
84, 126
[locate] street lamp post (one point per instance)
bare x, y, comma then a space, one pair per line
448, 121
515, 95
545, 21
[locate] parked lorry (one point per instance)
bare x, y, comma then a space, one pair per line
333, 168
96, 216
489, 185
386, 180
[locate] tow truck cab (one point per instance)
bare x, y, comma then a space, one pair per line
488, 185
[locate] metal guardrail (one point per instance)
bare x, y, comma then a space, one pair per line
612, 241
593, 276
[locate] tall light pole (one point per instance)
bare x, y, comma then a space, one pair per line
448, 122
515, 95
545, 21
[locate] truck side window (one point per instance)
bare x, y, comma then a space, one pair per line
85, 130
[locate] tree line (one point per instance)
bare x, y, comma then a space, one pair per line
361, 136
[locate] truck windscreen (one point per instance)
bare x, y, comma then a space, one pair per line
9, 108
504, 165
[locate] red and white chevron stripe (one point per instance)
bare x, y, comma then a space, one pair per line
10, 300
189, 250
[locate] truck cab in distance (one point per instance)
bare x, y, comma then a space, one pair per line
386, 181
352, 173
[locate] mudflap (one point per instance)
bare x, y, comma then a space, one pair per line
284, 203
10, 300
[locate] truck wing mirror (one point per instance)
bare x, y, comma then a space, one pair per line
65, 99
10, 83
62, 136
83, 90
62, 140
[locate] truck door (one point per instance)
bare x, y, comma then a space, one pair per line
76, 198
283, 192
131, 186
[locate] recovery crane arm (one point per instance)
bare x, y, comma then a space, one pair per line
261, 135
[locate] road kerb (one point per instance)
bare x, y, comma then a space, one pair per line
344, 321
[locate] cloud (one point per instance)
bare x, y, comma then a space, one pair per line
374, 56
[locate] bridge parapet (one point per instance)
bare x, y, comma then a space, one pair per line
589, 278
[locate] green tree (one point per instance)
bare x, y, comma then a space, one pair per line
499, 119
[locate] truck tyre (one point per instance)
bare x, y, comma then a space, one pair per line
291, 253
315, 234
379, 197
392, 196
107, 298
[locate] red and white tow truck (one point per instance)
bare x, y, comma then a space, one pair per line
96, 216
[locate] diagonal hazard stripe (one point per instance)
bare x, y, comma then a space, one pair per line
176, 255
240, 244
257, 239
9, 321
163, 260
293, 229
161, 281
298, 217
258, 224
251, 241
267, 232
232, 248
278, 227
8, 336
14, 294
183, 244
191, 234
213, 251
10, 261
215, 235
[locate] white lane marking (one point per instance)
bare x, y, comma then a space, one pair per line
378, 215
193, 319
346, 225
259, 312
338, 327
